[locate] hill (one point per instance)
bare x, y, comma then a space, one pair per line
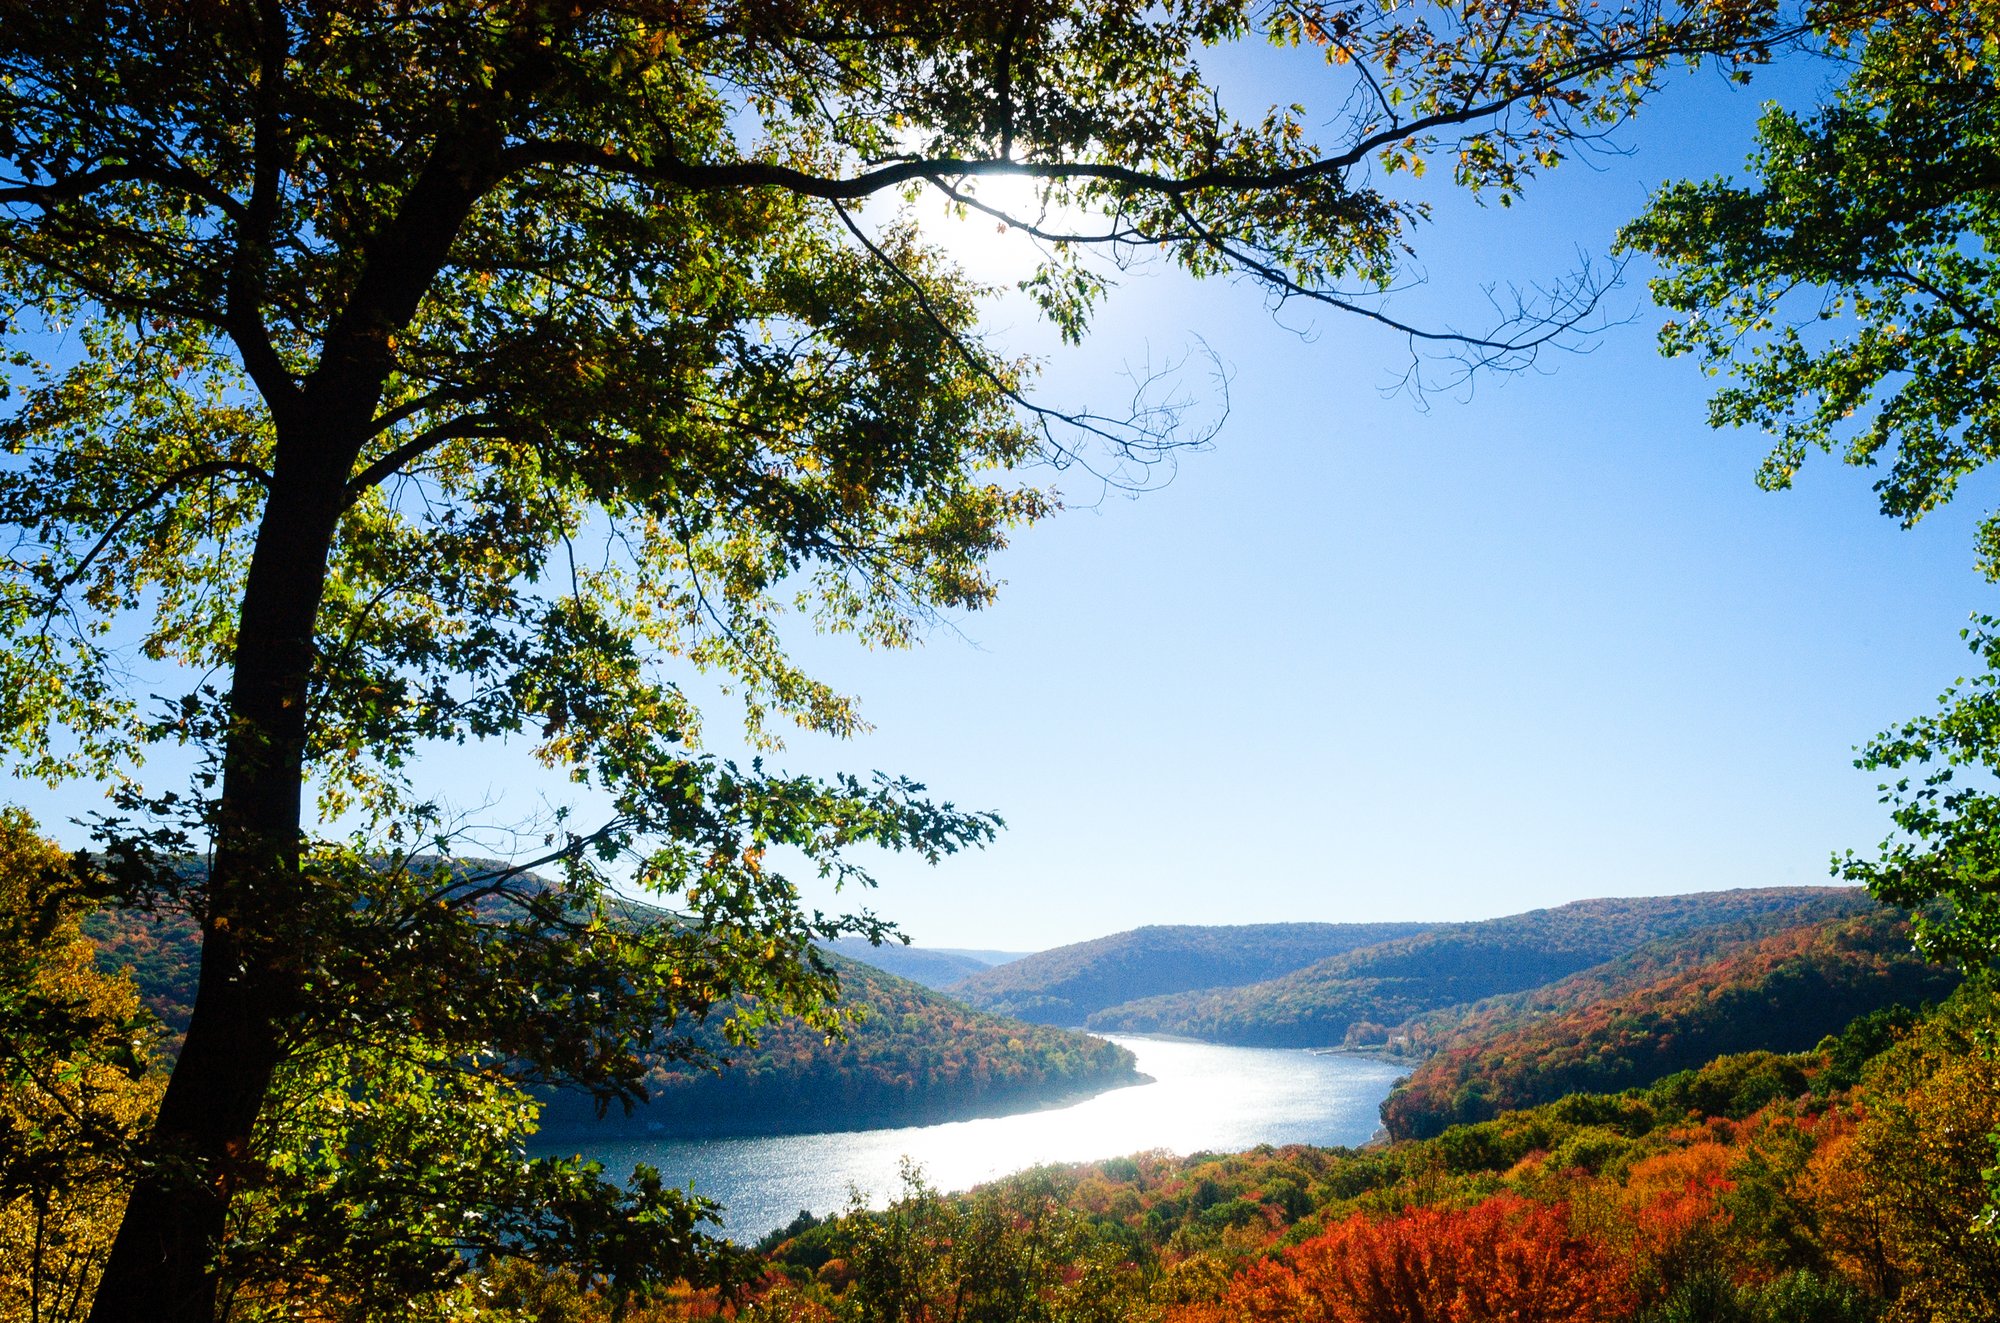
934, 967
1671, 1007
918, 1056
163, 952
1065, 985
1356, 995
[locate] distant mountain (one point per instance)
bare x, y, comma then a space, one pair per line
1065, 985
1357, 995
1671, 1006
918, 1057
984, 957
932, 966
1431, 1032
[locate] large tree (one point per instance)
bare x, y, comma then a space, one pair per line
1848, 289
413, 372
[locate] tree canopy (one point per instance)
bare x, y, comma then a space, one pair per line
1850, 291
480, 369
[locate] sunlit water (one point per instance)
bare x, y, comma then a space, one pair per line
1202, 1098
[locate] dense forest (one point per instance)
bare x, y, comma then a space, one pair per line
1067, 984
1356, 996
1657, 959
1679, 1005
911, 1055
1836, 1185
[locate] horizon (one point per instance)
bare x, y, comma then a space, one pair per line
1017, 954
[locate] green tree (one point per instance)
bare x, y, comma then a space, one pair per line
474, 368
1850, 290
1008, 1254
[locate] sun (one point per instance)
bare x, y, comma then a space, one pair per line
989, 248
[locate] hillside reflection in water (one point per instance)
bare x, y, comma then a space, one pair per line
1203, 1097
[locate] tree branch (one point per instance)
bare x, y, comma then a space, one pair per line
671, 170
1089, 424
212, 469
244, 296
472, 424
82, 183
1497, 349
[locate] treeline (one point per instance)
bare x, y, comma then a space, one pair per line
913, 1056
1638, 1023
1658, 959
1066, 985
1359, 995
1839, 1185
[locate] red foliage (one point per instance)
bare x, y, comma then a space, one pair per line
1671, 1007
1507, 1260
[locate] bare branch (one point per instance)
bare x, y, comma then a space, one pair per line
1104, 429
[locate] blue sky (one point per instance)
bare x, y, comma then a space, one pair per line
1366, 660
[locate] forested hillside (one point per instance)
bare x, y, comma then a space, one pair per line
1672, 1007
1066, 984
163, 953
1357, 996
916, 1056
1661, 958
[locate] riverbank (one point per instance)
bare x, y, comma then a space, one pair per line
1202, 1098
563, 1122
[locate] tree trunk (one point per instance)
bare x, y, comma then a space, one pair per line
162, 1265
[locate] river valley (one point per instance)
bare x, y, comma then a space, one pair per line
1202, 1097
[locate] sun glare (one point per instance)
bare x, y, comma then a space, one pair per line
988, 246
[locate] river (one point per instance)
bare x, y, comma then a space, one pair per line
1203, 1098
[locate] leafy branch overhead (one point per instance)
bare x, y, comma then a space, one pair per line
396, 374
1848, 290
1849, 294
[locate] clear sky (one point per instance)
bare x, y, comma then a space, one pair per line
1365, 660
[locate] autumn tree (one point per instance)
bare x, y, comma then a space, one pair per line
1902, 1202
477, 369
1505, 1257
78, 1082
1016, 1254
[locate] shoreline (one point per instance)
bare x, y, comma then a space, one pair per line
745, 1124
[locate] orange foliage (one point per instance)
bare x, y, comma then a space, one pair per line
1854, 1222
1722, 990
1704, 1164
1506, 1260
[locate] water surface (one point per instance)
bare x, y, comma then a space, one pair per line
1203, 1098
